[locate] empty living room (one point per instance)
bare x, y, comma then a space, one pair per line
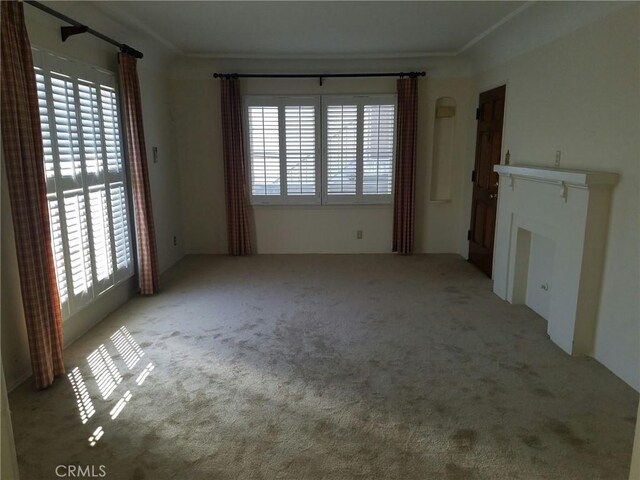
320, 240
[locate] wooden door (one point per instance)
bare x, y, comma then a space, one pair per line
484, 201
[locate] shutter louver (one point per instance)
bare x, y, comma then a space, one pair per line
300, 132
102, 247
377, 151
46, 129
342, 142
111, 129
90, 122
120, 222
264, 147
57, 246
78, 242
66, 126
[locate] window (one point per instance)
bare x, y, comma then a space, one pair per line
358, 149
85, 176
283, 145
284, 149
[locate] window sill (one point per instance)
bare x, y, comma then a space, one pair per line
79, 310
340, 206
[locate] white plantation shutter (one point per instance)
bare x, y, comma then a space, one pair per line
111, 129
377, 149
78, 243
341, 149
90, 122
301, 148
264, 150
120, 222
283, 149
46, 130
57, 241
66, 137
359, 145
101, 234
86, 182
289, 162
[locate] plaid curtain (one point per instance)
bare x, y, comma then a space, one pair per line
24, 162
148, 275
238, 235
405, 176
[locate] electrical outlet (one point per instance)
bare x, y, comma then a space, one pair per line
155, 154
175, 241
558, 153
359, 234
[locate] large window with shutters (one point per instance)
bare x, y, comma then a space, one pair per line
85, 176
312, 150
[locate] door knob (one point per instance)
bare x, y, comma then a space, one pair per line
493, 195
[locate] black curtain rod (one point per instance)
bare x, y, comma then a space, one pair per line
78, 27
320, 76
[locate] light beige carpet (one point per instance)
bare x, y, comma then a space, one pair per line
328, 367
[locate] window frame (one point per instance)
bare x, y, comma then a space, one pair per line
282, 101
51, 65
320, 102
359, 198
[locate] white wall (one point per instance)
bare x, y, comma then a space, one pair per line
44, 31
313, 229
580, 94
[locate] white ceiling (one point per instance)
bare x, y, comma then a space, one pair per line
308, 29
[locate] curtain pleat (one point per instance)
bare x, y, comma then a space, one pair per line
405, 174
24, 162
238, 234
147, 256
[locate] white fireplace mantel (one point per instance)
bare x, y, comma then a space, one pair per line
551, 231
574, 178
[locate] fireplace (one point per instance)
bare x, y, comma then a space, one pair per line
551, 231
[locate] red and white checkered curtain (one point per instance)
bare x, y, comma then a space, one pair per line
24, 162
238, 234
404, 203
148, 275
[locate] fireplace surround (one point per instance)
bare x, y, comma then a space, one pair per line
551, 232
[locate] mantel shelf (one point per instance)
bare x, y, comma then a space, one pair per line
579, 178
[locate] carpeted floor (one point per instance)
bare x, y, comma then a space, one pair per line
326, 367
